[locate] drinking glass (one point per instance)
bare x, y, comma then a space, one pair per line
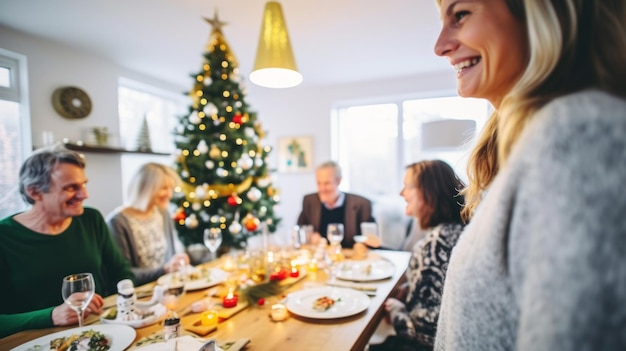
212, 239
77, 291
334, 232
176, 285
332, 260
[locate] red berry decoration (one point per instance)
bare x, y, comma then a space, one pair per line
238, 118
261, 302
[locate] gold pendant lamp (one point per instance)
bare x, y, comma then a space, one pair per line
275, 66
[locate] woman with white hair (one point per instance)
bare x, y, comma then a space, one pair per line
143, 229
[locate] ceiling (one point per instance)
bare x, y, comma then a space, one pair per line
334, 41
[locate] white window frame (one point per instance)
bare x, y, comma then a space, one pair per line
18, 92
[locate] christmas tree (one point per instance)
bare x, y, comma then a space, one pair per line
226, 181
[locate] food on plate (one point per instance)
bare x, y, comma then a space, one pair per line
200, 273
323, 303
88, 340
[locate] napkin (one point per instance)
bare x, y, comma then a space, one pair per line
155, 342
183, 343
368, 289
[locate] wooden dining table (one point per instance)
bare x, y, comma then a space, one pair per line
254, 322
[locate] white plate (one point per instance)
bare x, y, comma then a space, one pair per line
364, 271
120, 336
159, 313
348, 302
184, 343
207, 277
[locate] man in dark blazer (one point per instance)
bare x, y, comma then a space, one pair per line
329, 205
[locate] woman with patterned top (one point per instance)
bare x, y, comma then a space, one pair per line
431, 191
143, 229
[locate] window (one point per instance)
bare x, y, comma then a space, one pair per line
159, 108
374, 143
138, 101
15, 141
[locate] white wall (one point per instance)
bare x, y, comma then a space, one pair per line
289, 112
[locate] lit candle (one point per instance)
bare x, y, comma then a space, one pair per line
229, 264
294, 270
209, 318
279, 312
313, 265
229, 300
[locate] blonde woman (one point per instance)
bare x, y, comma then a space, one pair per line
542, 264
143, 229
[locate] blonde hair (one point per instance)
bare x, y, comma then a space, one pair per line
146, 183
573, 45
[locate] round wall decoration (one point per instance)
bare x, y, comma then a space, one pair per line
71, 102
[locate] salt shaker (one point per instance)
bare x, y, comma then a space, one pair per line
171, 326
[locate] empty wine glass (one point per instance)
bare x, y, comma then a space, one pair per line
78, 290
212, 239
334, 232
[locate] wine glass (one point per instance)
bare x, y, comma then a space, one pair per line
212, 239
78, 290
332, 260
334, 232
175, 285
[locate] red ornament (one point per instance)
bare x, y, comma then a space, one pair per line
261, 302
251, 223
180, 215
234, 200
238, 118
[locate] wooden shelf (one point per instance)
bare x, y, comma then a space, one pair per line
109, 150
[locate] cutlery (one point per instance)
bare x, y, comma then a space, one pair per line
369, 290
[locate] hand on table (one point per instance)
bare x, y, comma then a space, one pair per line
393, 305
317, 239
373, 241
179, 260
65, 315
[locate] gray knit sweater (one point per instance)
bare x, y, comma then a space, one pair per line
122, 232
542, 265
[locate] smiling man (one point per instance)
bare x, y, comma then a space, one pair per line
330, 205
56, 237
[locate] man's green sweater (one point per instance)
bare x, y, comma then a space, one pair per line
32, 267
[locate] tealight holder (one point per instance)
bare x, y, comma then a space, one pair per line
279, 312
209, 318
230, 300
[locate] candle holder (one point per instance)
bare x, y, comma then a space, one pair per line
279, 312
312, 266
209, 318
295, 273
230, 300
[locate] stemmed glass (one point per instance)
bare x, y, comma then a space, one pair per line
334, 232
212, 239
176, 285
78, 290
332, 259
